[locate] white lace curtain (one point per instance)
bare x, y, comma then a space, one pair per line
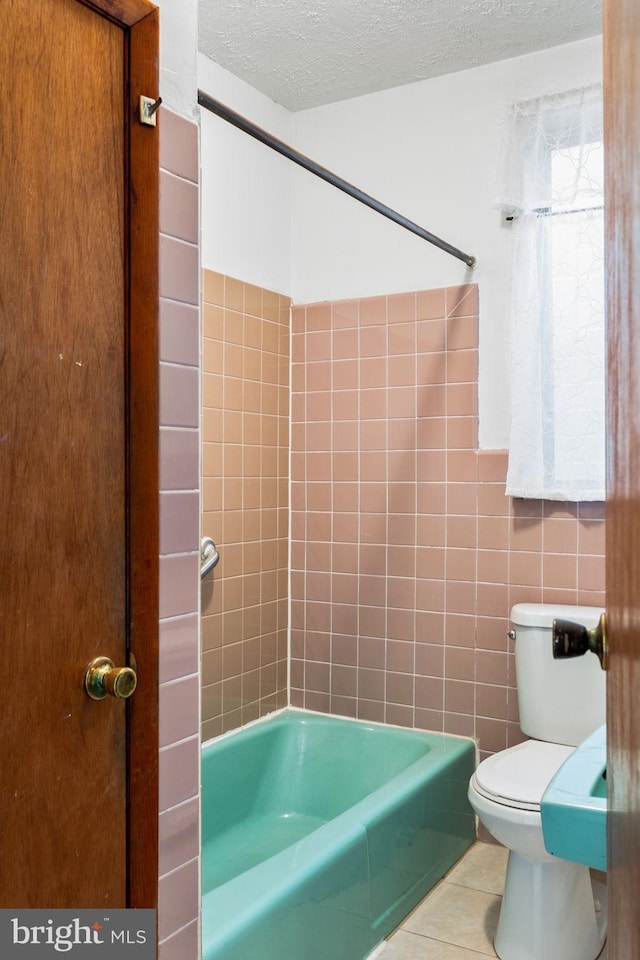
552, 187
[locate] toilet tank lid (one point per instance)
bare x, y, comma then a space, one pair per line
543, 614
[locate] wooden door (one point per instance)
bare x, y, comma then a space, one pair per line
622, 134
78, 453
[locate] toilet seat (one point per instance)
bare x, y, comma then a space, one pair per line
518, 777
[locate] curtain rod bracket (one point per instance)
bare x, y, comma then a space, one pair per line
226, 113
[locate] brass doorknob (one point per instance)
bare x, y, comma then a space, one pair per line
103, 678
573, 640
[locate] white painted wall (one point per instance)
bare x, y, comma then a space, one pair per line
245, 187
178, 46
429, 150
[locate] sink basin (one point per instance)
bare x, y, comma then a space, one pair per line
574, 805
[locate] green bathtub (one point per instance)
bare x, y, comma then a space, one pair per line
319, 835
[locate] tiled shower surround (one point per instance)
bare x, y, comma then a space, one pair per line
245, 469
406, 556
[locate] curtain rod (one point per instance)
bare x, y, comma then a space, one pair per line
226, 113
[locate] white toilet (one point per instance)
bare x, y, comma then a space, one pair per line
550, 908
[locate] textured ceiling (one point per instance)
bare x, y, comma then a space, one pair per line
304, 54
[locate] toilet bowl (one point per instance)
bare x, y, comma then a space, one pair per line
550, 908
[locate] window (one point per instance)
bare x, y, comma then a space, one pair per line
554, 196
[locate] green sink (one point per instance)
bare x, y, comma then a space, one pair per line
574, 805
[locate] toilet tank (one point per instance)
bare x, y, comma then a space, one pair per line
561, 701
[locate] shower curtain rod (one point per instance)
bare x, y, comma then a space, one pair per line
226, 113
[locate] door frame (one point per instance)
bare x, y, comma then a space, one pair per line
622, 166
139, 20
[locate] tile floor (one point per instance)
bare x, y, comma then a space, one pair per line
457, 920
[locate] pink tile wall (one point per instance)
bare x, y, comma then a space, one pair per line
179, 540
406, 554
245, 469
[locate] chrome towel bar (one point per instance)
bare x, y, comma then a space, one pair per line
209, 556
